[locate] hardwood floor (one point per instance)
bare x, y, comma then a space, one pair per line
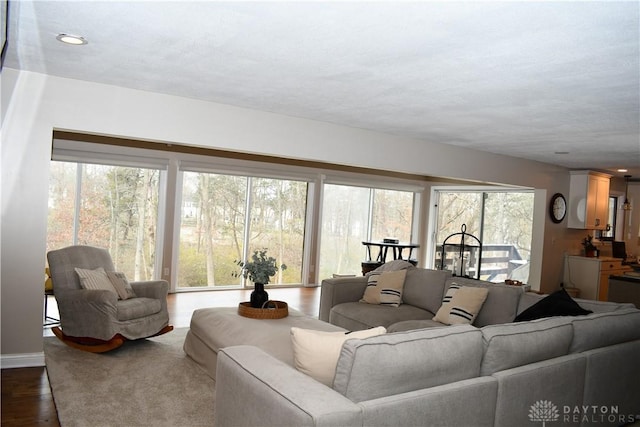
26, 395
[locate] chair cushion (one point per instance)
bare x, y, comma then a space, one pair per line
95, 279
384, 288
121, 284
134, 308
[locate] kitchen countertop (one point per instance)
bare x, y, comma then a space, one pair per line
629, 276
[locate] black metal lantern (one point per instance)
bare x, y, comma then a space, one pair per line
461, 253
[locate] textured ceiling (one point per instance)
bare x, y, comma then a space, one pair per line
525, 79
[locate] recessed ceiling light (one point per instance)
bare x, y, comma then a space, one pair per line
71, 39
623, 170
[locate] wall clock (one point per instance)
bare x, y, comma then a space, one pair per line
557, 208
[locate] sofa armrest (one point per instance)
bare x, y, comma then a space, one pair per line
254, 388
339, 290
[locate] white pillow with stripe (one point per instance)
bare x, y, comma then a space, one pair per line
95, 279
461, 305
385, 288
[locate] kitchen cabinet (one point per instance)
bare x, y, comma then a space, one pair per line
588, 200
591, 275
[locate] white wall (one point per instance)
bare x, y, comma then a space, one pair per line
42, 103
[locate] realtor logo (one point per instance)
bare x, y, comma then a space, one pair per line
543, 410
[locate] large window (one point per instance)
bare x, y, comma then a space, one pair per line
190, 218
351, 215
224, 218
113, 207
502, 221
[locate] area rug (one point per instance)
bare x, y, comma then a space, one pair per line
143, 383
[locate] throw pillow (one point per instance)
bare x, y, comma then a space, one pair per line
94, 279
558, 303
121, 285
316, 353
385, 288
461, 305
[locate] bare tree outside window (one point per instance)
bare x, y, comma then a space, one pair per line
351, 215
214, 229
503, 221
112, 207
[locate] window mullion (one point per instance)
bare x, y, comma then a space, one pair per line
247, 223
77, 202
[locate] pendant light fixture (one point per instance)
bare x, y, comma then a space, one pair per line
626, 205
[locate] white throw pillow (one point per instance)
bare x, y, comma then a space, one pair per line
95, 279
461, 305
316, 353
121, 284
385, 288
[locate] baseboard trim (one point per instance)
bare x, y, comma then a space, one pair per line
22, 360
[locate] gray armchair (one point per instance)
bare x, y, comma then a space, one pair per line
97, 320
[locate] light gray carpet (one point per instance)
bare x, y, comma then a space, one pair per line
143, 383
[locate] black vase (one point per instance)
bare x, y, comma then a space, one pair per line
259, 296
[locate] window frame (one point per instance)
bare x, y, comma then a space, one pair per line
430, 253
171, 160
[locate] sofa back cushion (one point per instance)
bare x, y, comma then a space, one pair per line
558, 303
315, 353
529, 298
424, 288
405, 361
501, 304
605, 329
516, 344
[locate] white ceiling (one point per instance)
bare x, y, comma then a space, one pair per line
525, 79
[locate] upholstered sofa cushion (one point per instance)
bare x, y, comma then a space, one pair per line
406, 361
605, 329
356, 315
409, 325
515, 344
501, 304
529, 298
558, 303
424, 288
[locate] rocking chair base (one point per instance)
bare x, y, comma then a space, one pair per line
95, 345
163, 331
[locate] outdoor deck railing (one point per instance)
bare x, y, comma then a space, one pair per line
497, 260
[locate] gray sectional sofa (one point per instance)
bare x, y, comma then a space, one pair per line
562, 370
